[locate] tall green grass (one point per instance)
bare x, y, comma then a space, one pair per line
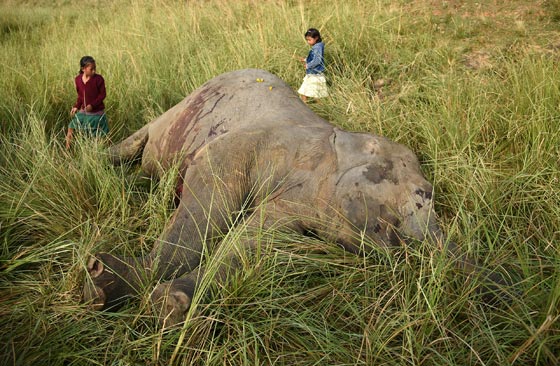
487, 137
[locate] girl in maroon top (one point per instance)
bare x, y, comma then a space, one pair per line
88, 113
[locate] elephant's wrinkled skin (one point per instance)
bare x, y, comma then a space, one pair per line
244, 139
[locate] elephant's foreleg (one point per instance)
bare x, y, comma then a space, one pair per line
173, 299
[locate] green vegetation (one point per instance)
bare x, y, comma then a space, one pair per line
474, 90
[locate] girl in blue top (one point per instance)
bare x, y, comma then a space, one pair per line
314, 83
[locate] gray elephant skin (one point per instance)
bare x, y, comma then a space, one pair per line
245, 143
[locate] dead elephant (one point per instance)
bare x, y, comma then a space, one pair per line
246, 138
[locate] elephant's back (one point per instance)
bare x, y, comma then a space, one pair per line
242, 100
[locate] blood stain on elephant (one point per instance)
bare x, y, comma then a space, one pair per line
214, 129
214, 105
186, 124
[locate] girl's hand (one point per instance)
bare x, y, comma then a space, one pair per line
89, 108
73, 111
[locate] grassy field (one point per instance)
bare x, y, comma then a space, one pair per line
472, 87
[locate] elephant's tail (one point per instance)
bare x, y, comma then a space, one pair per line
131, 148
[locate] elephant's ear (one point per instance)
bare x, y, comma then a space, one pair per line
354, 149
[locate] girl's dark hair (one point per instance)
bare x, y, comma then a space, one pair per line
84, 61
313, 33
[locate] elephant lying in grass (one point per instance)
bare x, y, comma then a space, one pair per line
248, 149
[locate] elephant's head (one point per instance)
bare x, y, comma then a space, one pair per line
381, 191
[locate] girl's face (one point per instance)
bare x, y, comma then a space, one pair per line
89, 70
310, 40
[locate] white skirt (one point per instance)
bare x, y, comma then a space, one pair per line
314, 86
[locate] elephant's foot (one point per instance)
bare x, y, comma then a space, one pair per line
171, 302
111, 281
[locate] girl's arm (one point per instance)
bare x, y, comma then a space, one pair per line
101, 92
80, 100
317, 58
